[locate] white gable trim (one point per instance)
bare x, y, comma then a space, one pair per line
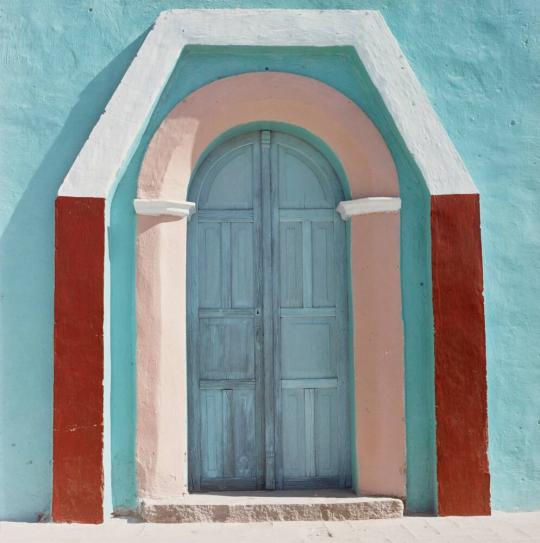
98, 166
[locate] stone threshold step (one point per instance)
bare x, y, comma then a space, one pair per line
270, 506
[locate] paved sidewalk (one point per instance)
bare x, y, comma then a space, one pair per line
501, 527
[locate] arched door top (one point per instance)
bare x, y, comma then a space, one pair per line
213, 187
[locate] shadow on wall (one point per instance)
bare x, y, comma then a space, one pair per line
26, 310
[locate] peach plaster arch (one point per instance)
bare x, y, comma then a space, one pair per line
377, 333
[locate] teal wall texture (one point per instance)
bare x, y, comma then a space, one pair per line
480, 65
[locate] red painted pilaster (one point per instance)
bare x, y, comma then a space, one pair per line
460, 356
78, 360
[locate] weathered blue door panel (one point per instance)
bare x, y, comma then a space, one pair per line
311, 360
267, 319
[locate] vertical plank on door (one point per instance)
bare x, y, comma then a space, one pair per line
326, 432
193, 395
226, 264
309, 425
244, 432
210, 258
211, 434
294, 439
258, 402
344, 368
307, 265
292, 268
227, 433
324, 272
242, 257
275, 313
268, 293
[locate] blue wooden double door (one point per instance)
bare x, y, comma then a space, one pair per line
267, 319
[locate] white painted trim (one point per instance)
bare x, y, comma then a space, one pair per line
363, 206
99, 165
168, 208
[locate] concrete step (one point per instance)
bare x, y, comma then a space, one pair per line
265, 506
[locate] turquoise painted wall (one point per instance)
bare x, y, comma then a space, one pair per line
480, 64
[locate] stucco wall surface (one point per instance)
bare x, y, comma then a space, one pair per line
479, 63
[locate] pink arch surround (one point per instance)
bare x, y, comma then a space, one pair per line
266, 96
175, 149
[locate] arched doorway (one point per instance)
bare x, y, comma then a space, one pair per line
190, 129
267, 319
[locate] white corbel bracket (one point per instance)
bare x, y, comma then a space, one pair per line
166, 208
365, 206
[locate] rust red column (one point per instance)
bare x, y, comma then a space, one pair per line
78, 360
460, 356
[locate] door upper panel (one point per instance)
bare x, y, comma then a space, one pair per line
228, 182
303, 182
305, 179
